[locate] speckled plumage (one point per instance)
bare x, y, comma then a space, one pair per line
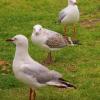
48, 39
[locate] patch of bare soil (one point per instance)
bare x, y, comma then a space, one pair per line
4, 67
88, 23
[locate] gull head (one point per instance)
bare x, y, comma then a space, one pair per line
37, 28
20, 40
72, 2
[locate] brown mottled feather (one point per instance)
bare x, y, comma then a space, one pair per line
56, 41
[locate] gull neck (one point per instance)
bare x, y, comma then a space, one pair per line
21, 52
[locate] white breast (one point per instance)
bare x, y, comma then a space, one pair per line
72, 15
38, 39
42, 37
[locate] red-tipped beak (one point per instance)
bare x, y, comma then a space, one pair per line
10, 40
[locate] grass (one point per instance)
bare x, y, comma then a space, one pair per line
79, 64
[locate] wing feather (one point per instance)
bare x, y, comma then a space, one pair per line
42, 76
56, 41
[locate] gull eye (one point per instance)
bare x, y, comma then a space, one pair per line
15, 39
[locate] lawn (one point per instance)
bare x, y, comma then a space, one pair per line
79, 64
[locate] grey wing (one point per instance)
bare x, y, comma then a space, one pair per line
61, 16
56, 41
42, 76
63, 13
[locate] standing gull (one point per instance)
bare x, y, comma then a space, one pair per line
70, 15
31, 72
48, 39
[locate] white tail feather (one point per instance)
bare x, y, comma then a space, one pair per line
58, 84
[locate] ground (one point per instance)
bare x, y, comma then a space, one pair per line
79, 64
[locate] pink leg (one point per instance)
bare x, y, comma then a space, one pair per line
49, 59
65, 35
65, 30
32, 95
74, 36
74, 33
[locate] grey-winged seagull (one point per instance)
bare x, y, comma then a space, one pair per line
70, 15
31, 72
48, 39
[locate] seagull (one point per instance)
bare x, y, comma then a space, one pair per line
70, 15
32, 73
48, 39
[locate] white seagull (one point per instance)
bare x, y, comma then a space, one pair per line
48, 39
70, 15
31, 72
